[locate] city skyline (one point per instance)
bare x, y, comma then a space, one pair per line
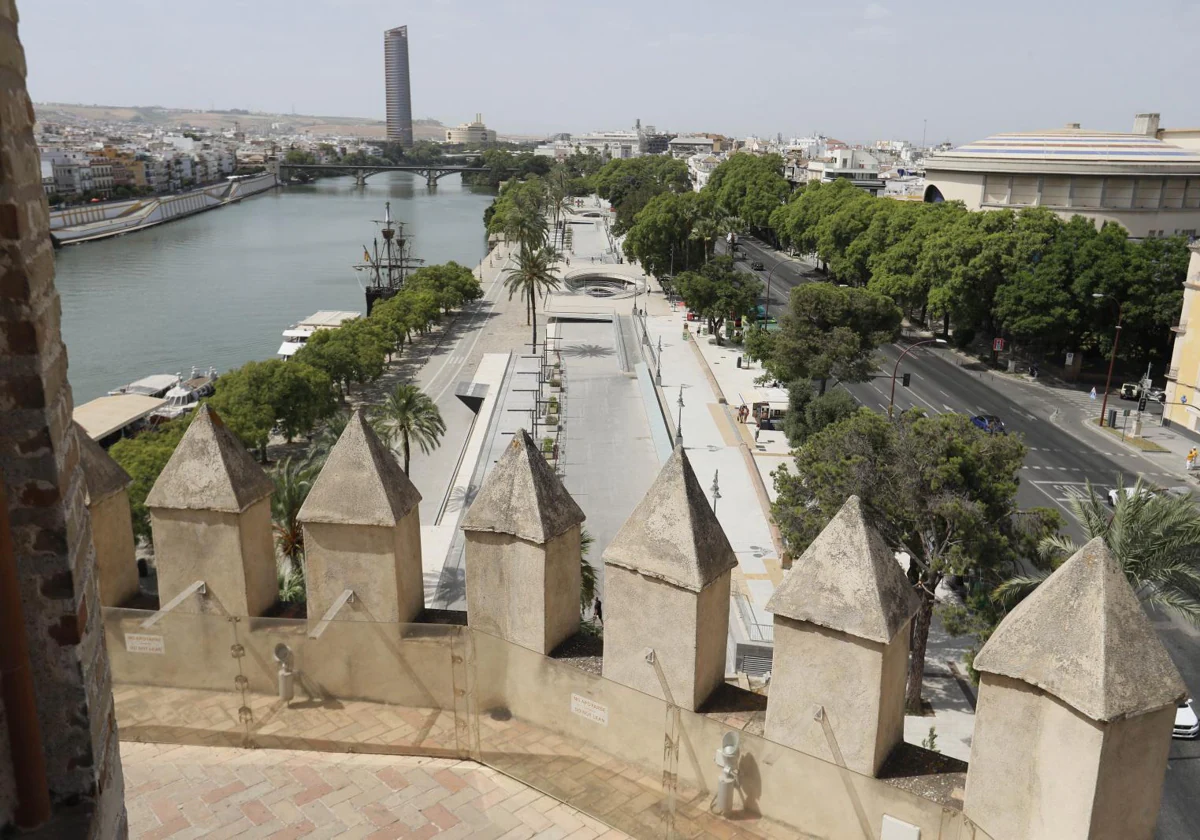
876, 71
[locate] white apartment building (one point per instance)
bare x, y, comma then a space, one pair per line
686, 145
610, 144
861, 168
700, 168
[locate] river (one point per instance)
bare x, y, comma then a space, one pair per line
219, 288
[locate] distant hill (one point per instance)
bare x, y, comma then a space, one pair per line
217, 120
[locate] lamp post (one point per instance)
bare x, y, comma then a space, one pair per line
679, 422
716, 491
658, 364
1112, 358
912, 347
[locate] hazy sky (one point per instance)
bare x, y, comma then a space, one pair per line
859, 71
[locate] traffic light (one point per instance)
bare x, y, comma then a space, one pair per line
1142, 403
907, 378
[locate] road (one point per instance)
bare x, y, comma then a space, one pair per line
781, 272
1063, 456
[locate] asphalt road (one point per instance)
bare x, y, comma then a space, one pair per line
1061, 459
1063, 456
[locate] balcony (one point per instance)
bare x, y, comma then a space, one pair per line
1180, 328
1173, 373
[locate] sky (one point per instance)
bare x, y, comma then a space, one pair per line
858, 71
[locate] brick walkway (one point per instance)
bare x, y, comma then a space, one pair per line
213, 792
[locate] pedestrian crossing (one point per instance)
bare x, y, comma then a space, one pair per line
1049, 469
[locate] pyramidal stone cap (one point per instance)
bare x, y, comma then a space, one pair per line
209, 470
361, 482
1083, 637
673, 534
848, 580
102, 476
522, 496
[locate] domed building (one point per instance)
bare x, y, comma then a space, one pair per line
1141, 180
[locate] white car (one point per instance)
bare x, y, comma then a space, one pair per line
1187, 725
1114, 493
1147, 491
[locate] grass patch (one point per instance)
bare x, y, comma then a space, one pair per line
1136, 443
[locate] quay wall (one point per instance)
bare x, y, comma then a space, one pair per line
72, 225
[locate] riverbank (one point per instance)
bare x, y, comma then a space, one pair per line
217, 289
90, 222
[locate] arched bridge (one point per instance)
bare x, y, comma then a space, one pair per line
432, 171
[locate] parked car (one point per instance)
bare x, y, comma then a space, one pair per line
756, 265
1157, 394
990, 423
1131, 391
1187, 725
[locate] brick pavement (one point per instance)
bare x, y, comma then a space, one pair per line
214, 792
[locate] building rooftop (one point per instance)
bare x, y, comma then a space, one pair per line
105, 415
1077, 149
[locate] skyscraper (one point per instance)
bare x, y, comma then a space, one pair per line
399, 93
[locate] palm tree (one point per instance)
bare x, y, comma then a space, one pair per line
532, 275
705, 230
1154, 536
587, 572
410, 415
293, 479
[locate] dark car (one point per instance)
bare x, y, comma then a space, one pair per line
990, 423
756, 265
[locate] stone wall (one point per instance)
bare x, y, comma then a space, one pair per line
39, 459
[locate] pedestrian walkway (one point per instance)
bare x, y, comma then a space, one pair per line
214, 792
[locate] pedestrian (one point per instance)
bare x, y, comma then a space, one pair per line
1093, 394
1191, 459
757, 430
596, 611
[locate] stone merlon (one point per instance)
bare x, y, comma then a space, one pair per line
848, 580
1083, 637
102, 475
673, 534
361, 482
209, 470
522, 496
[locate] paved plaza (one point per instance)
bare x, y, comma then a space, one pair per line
185, 791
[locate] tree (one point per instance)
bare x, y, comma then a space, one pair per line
831, 331
1154, 536
808, 413
587, 572
719, 291
660, 238
410, 415
749, 186
630, 184
144, 458
453, 284
705, 230
936, 488
259, 396
293, 479
532, 275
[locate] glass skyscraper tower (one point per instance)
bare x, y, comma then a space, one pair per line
399, 92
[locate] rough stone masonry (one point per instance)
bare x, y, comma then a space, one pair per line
39, 461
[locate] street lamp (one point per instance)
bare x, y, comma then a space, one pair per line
679, 422
912, 347
716, 491
1112, 357
658, 364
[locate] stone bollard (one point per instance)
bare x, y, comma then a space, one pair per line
210, 513
522, 551
106, 495
666, 587
842, 620
1076, 705
362, 532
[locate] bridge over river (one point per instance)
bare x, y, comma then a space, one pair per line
432, 171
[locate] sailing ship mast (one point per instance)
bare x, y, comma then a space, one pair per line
387, 268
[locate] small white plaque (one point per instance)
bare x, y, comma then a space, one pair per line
894, 829
145, 643
590, 709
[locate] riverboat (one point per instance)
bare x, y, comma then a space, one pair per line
297, 335
389, 265
187, 395
156, 386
